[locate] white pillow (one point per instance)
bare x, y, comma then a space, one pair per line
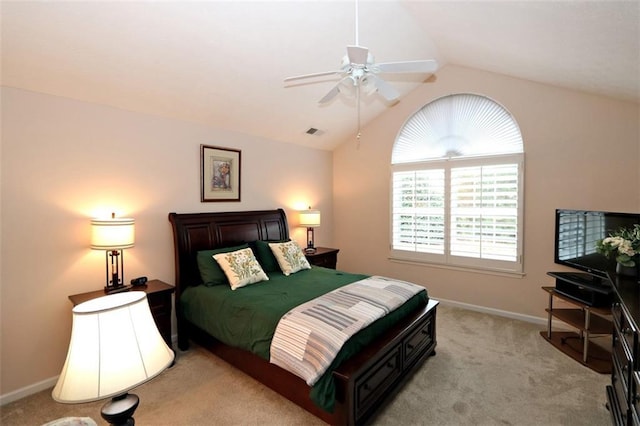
290, 257
241, 267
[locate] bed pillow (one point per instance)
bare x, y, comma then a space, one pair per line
210, 271
241, 267
290, 257
265, 256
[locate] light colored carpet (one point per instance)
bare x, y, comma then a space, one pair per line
488, 370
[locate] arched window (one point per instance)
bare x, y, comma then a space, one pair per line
457, 179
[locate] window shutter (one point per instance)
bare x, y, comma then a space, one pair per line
484, 212
418, 211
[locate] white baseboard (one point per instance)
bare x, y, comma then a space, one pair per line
493, 311
45, 384
28, 390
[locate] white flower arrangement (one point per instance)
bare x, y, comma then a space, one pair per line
623, 244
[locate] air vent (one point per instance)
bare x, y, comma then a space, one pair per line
314, 131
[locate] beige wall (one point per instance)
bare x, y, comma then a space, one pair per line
65, 161
581, 151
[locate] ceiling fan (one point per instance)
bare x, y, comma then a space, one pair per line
359, 70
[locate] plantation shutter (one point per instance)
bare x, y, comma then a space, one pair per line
484, 212
418, 211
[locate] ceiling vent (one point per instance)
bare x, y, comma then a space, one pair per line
314, 131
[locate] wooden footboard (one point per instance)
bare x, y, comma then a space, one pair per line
372, 377
364, 383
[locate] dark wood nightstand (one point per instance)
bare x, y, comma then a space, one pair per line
324, 256
159, 297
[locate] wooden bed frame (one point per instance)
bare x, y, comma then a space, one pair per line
363, 383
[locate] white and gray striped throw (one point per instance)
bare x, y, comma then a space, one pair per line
309, 336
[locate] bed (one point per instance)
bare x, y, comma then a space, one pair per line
360, 384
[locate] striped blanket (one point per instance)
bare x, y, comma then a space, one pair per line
309, 336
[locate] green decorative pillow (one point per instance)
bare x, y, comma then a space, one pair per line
210, 271
290, 257
241, 268
265, 255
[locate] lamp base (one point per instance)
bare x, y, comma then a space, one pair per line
119, 411
118, 289
310, 250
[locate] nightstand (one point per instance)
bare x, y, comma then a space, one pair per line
324, 256
159, 297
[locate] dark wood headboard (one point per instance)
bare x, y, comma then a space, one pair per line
193, 232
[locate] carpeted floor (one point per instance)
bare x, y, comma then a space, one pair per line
488, 370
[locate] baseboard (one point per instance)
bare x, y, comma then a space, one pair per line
493, 311
28, 390
43, 385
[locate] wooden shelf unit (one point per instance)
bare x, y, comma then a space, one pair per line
590, 322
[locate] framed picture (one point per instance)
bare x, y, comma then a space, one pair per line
219, 173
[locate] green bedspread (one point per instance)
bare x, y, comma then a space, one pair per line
247, 317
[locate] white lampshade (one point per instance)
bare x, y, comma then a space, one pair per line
112, 234
310, 218
115, 346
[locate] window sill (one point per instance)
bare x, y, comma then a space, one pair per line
486, 271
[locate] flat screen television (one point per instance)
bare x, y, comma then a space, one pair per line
577, 232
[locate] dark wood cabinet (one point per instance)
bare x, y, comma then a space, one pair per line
159, 297
324, 256
623, 394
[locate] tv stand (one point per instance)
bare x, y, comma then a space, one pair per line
584, 288
590, 322
582, 278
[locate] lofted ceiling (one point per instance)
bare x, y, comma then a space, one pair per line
222, 63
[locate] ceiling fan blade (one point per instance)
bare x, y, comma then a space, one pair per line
332, 94
334, 91
385, 89
357, 55
318, 74
427, 66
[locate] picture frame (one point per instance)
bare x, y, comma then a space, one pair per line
220, 170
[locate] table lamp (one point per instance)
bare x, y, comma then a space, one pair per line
113, 235
311, 219
115, 346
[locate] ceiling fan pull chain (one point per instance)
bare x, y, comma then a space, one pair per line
358, 112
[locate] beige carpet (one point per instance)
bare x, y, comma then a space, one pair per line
488, 371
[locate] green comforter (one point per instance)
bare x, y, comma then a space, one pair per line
246, 318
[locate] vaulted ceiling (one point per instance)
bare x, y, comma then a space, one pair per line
222, 63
